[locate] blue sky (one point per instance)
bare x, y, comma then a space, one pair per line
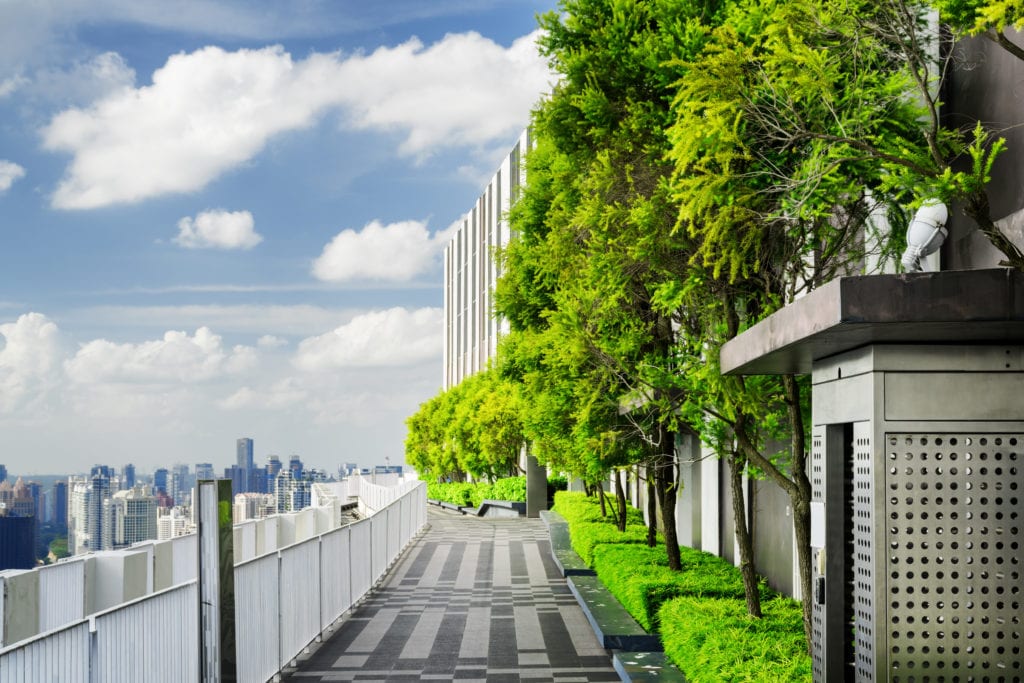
225, 219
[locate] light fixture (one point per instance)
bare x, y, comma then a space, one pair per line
925, 234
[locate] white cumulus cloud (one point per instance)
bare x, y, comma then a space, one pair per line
465, 89
211, 110
177, 358
30, 355
218, 229
9, 172
394, 252
392, 337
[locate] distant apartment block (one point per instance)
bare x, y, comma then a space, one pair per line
471, 331
133, 516
253, 506
171, 523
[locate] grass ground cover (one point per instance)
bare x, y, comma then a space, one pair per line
699, 612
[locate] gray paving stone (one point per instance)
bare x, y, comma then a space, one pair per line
473, 599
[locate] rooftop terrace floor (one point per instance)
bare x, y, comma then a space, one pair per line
472, 599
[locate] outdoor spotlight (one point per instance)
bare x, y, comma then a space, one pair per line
925, 234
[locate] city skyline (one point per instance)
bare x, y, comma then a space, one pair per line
229, 220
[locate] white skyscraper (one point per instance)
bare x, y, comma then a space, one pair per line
133, 516
471, 331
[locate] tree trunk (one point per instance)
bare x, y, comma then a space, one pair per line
620, 498
600, 496
665, 481
652, 510
800, 497
739, 512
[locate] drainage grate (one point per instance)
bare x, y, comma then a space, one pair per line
953, 544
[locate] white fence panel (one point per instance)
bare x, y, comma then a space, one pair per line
257, 625
153, 639
59, 657
394, 532
300, 597
406, 517
335, 576
360, 562
186, 562
378, 546
61, 594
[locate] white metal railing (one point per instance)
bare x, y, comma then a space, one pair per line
284, 600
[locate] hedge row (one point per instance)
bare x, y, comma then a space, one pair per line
472, 495
715, 640
639, 577
700, 611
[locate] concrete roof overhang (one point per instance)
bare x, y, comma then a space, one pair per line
949, 307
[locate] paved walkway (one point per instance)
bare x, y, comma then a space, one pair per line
471, 600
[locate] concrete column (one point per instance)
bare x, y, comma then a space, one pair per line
536, 487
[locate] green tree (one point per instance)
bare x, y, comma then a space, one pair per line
989, 18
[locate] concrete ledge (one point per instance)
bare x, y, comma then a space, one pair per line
949, 307
499, 508
488, 508
646, 666
614, 627
568, 561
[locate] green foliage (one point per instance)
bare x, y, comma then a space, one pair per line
474, 427
509, 488
587, 536
639, 578
59, 547
589, 529
714, 640
979, 16
576, 507
456, 493
465, 494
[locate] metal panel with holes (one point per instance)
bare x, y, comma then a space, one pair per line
953, 539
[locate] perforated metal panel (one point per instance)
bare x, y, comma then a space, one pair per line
863, 570
818, 610
953, 544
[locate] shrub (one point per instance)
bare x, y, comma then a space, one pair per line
586, 536
639, 578
465, 494
576, 506
510, 488
715, 640
456, 493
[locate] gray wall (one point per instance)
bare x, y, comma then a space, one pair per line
987, 85
773, 535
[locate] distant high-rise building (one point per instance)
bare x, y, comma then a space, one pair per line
35, 489
133, 516
295, 465
3, 473
102, 470
273, 466
128, 478
97, 510
283, 490
17, 541
301, 494
204, 471
237, 477
60, 506
180, 485
160, 481
243, 452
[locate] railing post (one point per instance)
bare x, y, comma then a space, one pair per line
216, 574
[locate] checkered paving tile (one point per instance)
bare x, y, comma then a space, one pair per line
471, 600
